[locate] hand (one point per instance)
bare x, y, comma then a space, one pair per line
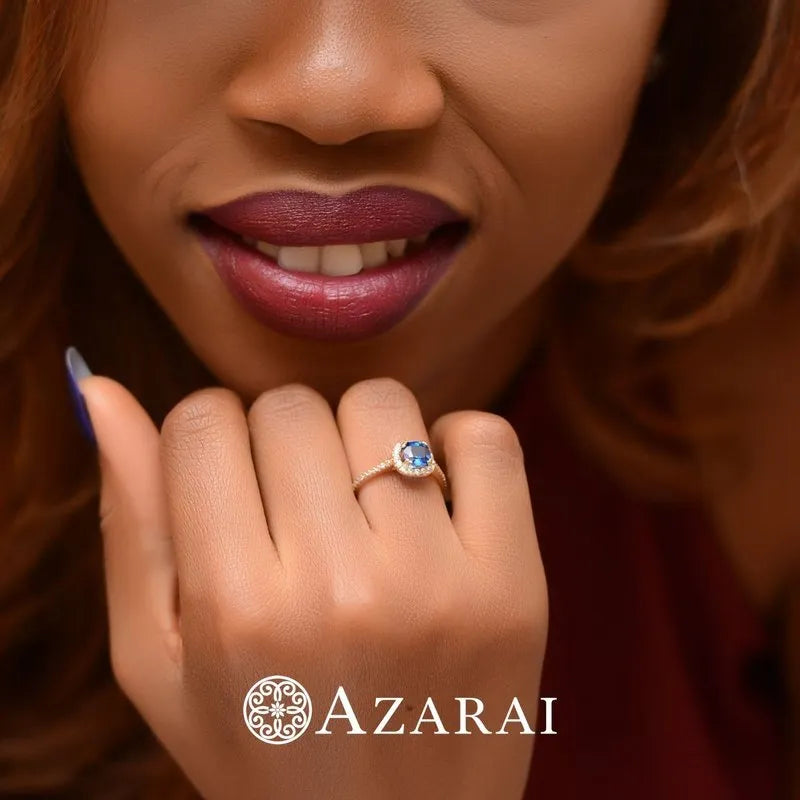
248, 518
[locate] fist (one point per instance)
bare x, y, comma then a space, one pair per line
235, 549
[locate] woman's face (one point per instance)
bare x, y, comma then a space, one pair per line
514, 112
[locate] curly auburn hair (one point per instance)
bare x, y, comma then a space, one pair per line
700, 223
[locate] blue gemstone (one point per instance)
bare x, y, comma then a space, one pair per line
416, 454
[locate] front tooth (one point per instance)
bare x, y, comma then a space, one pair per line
374, 254
397, 247
299, 259
341, 259
268, 249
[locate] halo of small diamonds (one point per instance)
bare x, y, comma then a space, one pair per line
413, 458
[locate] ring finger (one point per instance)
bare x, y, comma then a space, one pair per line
372, 416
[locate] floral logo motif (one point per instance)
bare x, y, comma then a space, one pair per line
277, 709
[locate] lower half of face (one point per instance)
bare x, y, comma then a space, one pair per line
514, 113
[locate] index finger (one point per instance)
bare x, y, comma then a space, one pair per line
223, 548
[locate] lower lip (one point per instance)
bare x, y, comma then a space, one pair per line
315, 306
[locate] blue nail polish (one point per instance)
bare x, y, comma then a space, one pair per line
76, 370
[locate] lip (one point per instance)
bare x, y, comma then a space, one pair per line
371, 214
317, 306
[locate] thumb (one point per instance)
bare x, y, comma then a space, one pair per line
140, 568
127, 442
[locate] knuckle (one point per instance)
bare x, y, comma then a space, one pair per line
356, 617
519, 614
526, 622
492, 436
436, 630
377, 394
441, 617
201, 415
223, 633
396, 619
285, 402
239, 628
232, 613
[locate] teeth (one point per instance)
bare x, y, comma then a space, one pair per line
341, 259
268, 249
374, 254
336, 259
397, 247
299, 259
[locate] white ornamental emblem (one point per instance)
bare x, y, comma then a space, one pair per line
277, 709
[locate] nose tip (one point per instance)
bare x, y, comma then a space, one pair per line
341, 88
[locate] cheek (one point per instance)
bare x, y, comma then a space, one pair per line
144, 104
543, 107
553, 102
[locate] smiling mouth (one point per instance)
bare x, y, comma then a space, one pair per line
340, 259
333, 295
334, 267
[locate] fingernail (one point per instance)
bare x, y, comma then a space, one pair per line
77, 369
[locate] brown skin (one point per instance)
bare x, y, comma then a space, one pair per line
516, 113
384, 593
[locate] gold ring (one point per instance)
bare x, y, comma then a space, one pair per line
413, 459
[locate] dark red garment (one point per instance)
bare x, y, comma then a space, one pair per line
667, 680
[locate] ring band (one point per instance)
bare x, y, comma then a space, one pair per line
412, 458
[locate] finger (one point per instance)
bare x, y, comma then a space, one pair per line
139, 563
225, 557
373, 415
492, 511
304, 476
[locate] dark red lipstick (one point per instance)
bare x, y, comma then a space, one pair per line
309, 303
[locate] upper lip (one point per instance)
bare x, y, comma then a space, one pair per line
295, 217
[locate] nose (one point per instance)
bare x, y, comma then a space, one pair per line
335, 72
